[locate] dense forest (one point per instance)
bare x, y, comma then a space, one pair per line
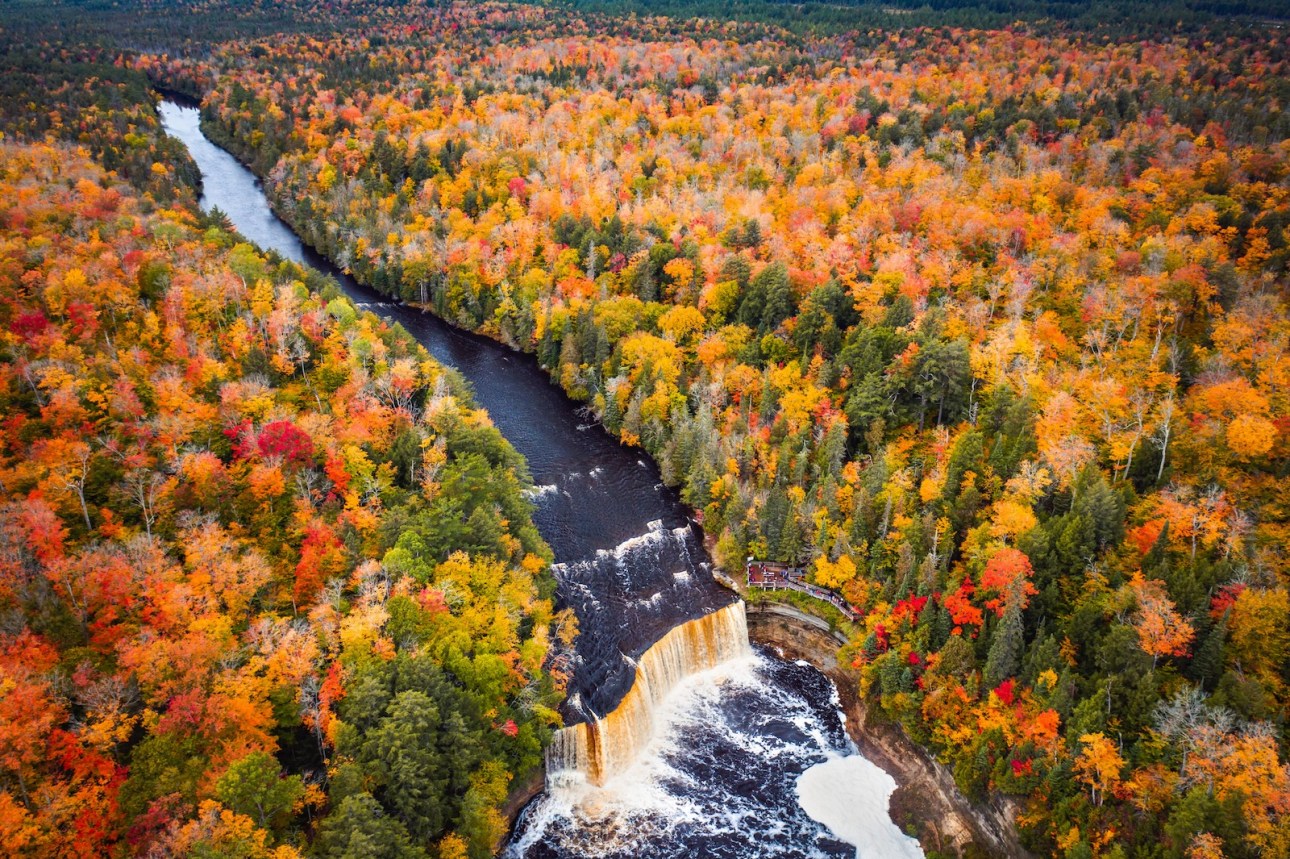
267, 572
987, 327
1118, 17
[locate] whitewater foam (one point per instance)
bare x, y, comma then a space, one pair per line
655, 535
850, 795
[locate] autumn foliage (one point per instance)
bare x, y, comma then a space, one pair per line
988, 328
199, 459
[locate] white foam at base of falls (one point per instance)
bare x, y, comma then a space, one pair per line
850, 796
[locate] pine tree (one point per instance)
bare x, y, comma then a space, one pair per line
1004, 657
359, 828
1207, 665
1105, 510
410, 767
613, 413
791, 538
966, 456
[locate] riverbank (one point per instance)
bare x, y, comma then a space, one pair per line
926, 802
550, 437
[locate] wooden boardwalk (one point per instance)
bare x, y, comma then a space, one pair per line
774, 576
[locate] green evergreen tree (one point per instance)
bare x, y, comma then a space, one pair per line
359, 828
1006, 646
1207, 665
404, 755
965, 456
1093, 498
791, 538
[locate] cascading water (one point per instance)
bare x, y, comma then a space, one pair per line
604, 747
636, 592
695, 744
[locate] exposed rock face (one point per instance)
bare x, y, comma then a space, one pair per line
927, 797
523, 791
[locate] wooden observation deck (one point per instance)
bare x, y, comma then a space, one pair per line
776, 576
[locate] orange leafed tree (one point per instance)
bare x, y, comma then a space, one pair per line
1099, 766
1007, 574
1162, 631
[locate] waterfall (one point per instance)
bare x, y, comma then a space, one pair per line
600, 749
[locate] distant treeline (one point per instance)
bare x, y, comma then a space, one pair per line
1114, 18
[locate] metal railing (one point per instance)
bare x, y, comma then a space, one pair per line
773, 581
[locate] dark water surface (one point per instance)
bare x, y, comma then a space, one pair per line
719, 781
630, 562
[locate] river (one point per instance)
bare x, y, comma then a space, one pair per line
720, 776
